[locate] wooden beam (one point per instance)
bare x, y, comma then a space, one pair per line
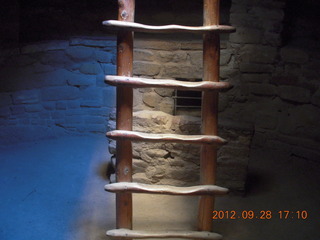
208, 158
165, 189
126, 233
177, 138
124, 114
136, 82
138, 27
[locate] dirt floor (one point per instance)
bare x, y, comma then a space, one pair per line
53, 189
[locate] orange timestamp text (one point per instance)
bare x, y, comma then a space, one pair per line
262, 215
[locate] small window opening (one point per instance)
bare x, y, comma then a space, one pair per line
187, 102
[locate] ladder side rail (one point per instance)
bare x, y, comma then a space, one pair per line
124, 115
209, 114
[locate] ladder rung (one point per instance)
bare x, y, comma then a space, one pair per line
149, 137
165, 189
136, 82
138, 27
126, 233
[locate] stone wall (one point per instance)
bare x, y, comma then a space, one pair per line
56, 87
278, 87
178, 164
275, 98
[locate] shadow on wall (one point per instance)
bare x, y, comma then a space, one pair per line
277, 90
55, 88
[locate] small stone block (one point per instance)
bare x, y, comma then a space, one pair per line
81, 80
61, 106
33, 108
90, 68
48, 105
79, 53
94, 42
73, 104
109, 69
25, 96
295, 94
60, 93
19, 109
91, 103
104, 57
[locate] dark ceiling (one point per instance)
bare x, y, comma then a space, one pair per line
35, 20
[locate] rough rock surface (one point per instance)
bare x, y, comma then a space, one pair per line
178, 164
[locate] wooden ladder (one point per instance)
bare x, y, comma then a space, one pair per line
209, 141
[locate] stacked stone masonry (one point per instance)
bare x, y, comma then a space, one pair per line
178, 164
57, 87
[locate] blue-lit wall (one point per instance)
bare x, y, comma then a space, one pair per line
54, 88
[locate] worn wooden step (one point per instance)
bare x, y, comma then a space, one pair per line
138, 27
149, 137
126, 233
136, 82
165, 189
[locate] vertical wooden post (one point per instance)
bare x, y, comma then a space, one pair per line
124, 115
208, 158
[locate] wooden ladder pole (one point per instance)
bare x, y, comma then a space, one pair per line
124, 115
208, 158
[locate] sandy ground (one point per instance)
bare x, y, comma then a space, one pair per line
53, 189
